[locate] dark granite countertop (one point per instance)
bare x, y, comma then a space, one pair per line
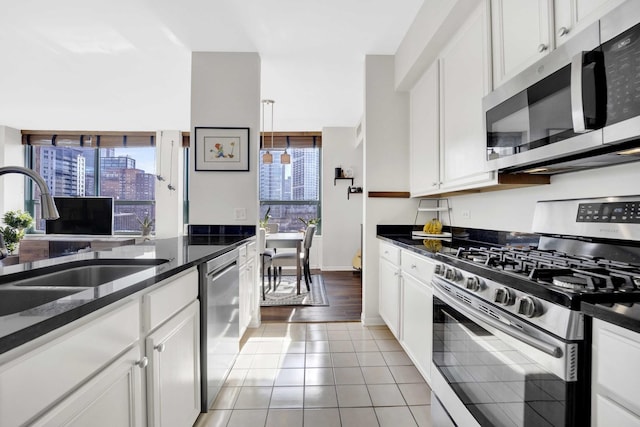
400, 235
182, 253
625, 315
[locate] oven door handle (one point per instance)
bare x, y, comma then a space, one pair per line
550, 349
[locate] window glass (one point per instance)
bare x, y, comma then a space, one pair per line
291, 191
126, 174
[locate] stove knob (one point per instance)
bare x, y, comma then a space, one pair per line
528, 306
439, 269
474, 283
503, 296
452, 274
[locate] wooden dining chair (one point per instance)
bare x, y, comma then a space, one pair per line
290, 259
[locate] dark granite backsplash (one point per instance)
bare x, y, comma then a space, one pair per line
222, 230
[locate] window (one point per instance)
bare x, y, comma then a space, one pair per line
291, 191
125, 173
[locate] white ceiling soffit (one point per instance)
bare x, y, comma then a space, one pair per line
125, 64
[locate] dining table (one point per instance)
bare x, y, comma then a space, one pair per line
288, 240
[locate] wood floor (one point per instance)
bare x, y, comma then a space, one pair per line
344, 290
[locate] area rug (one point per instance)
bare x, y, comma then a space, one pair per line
285, 294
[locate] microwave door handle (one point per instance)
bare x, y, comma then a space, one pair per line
577, 104
588, 94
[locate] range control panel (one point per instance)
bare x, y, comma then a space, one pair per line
612, 212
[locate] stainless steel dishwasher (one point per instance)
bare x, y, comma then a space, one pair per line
220, 326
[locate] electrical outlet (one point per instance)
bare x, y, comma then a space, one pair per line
240, 214
466, 214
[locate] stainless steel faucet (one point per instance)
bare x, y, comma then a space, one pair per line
48, 206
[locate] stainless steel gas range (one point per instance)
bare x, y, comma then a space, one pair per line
510, 344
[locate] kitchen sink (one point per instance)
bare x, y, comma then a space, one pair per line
15, 300
84, 274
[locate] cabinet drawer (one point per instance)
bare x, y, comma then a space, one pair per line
418, 266
251, 250
390, 252
608, 413
616, 352
164, 302
242, 254
33, 382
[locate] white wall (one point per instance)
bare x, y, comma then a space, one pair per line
169, 202
512, 210
341, 218
225, 92
386, 155
11, 185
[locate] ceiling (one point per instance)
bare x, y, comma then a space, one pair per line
125, 64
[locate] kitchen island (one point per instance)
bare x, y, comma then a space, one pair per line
124, 352
181, 254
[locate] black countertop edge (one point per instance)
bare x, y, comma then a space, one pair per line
467, 236
625, 315
181, 252
461, 237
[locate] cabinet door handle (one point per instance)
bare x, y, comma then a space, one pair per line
413, 266
542, 47
160, 347
563, 31
142, 363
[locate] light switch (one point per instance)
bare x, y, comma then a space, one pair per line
240, 214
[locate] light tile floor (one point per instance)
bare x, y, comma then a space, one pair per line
321, 374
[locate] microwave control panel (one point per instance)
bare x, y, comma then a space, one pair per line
614, 212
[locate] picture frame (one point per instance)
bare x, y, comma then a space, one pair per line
223, 149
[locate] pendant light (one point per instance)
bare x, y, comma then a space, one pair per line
267, 158
285, 158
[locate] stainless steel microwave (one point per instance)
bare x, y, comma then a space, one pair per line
579, 107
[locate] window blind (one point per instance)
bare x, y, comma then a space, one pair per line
282, 140
92, 139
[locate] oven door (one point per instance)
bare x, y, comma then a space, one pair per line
498, 371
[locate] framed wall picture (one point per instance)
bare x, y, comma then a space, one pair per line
222, 149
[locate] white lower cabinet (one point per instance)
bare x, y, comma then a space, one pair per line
615, 383
417, 310
406, 302
112, 398
34, 381
390, 287
92, 372
173, 374
248, 300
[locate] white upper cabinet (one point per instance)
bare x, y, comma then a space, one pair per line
521, 34
447, 128
424, 161
571, 16
465, 78
523, 31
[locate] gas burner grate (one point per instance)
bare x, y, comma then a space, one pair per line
582, 273
594, 279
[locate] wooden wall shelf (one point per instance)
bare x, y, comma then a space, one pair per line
392, 194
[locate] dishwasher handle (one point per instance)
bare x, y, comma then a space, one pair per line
214, 275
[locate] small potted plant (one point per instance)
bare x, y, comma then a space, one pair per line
310, 221
16, 224
264, 221
146, 224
